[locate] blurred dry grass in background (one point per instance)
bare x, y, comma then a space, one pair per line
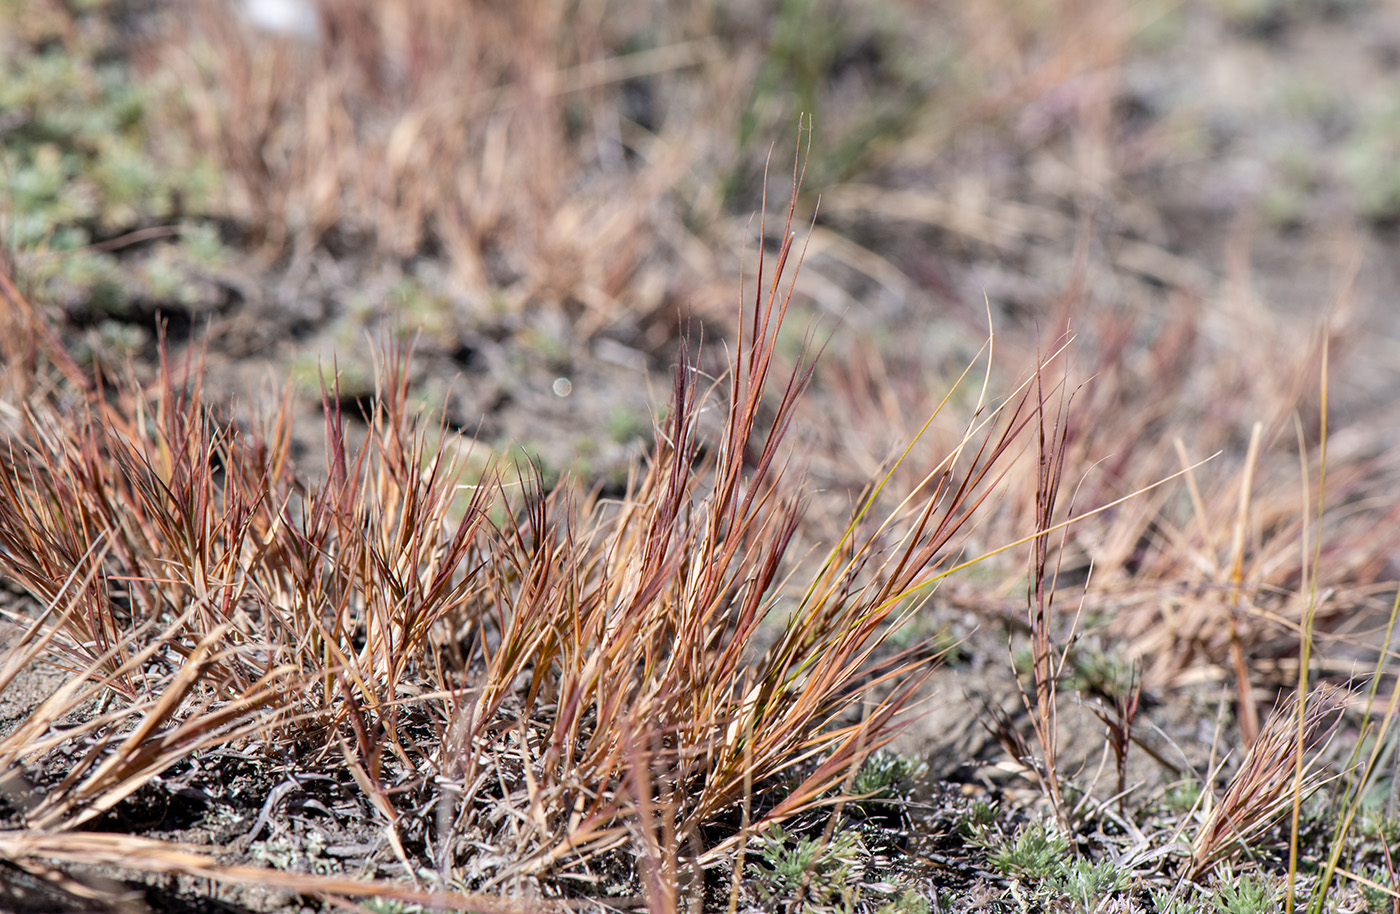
543, 150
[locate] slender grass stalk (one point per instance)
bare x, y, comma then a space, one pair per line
1040, 598
1309, 586
1351, 803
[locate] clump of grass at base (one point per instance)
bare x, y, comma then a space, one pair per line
630, 637
1378, 900
976, 821
825, 870
1043, 870
1282, 760
590, 666
1087, 885
1252, 893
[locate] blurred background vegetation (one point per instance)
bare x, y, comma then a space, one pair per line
470, 165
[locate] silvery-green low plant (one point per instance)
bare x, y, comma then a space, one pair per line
94, 213
796, 869
1249, 894
1036, 852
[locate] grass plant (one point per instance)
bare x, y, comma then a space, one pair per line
1264, 787
589, 666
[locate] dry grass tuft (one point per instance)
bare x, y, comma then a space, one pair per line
557, 679
1279, 769
535, 688
186, 571
627, 643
